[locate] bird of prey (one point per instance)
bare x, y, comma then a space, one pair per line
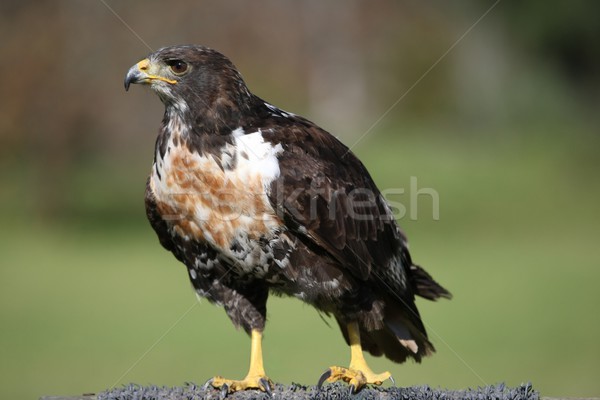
256, 200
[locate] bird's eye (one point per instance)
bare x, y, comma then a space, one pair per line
177, 66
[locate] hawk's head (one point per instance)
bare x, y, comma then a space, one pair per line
192, 80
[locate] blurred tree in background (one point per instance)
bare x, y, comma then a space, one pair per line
64, 118
491, 104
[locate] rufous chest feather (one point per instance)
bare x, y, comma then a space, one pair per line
221, 196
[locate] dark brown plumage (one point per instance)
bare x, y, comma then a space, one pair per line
253, 199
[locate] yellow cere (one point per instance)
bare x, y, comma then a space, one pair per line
144, 65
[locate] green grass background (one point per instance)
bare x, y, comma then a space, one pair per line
93, 303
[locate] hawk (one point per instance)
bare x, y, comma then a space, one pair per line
255, 200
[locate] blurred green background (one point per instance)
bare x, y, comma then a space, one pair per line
504, 128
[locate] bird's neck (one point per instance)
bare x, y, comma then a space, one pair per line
211, 115
199, 135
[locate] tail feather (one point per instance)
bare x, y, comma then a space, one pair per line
402, 335
389, 345
425, 286
404, 323
386, 342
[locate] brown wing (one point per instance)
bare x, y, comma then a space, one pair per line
326, 195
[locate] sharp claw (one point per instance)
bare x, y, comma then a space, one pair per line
391, 378
351, 390
207, 383
323, 378
264, 383
224, 391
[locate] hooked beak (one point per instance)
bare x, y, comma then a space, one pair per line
141, 73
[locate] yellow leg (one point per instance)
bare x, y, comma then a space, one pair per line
358, 374
256, 377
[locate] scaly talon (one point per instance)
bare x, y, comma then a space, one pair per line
358, 374
265, 386
224, 391
250, 382
256, 377
323, 378
207, 383
352, 390
356, 378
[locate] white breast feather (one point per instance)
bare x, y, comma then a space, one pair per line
260, 156
256, 161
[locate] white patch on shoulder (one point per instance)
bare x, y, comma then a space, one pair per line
238, 132
257, 157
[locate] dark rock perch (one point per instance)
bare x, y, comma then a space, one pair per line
336, 391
